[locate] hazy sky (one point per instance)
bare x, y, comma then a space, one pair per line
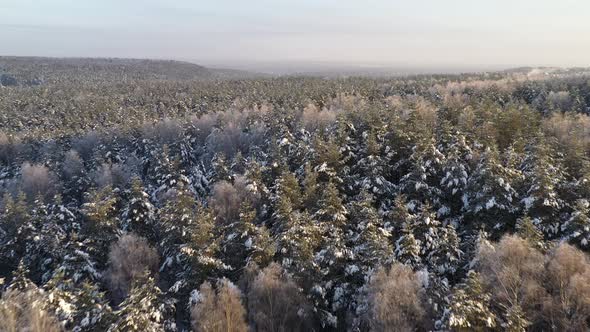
365, 32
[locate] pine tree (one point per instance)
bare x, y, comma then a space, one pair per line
79, 308
102, 224
331, 209
283, 216
244, 241
529, 231
187, 240
490, 201
327, 157
369, 169
470, 307
141, 311
221, 170
77, 261
407, 248
542, 198
139, 214
286, 200
421, 184
15, 213
167, 172
370, 241
45, 244
578, 226
456, 170
288, 187
439, 244
17, 227
515, 320
298, 244
330, 297
310, 185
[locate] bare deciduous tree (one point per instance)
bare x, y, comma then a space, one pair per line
275, 302
129, 258
37, 180
220, 311
568, 282
313, 118
395, 299
513, 271
73, 164
24, 311
226, 199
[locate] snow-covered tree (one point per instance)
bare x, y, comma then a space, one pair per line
297, 244
422, 183
187, 240
243, 241
142, 310
102, 223
577, 228
490, 201
541, 199
470, 307
78, 307
139, 214
456, 171
369, 239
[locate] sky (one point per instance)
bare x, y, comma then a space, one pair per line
367, 33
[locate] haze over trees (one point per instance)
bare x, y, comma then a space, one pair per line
140, 196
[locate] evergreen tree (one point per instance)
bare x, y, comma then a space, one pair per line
422, 184
77, 261
331, 210
141, 311
166, 172
370, 241
187, 241
139, 214
470, 307
529, 231
244, 241
310, 188
330, 297
542, 198
456, 171
102, 225
490, 199
368, 171
578, 226
16, 228
439, 244
298, 244
515, 320
79, 308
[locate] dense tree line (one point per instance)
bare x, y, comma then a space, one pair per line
289, 204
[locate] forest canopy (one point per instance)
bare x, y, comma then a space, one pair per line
159, 196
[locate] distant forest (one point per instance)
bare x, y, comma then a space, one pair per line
147, 195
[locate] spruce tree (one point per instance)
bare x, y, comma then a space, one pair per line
578, 226
139, 214
470, 307
141, 310
490, 200
542, 198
